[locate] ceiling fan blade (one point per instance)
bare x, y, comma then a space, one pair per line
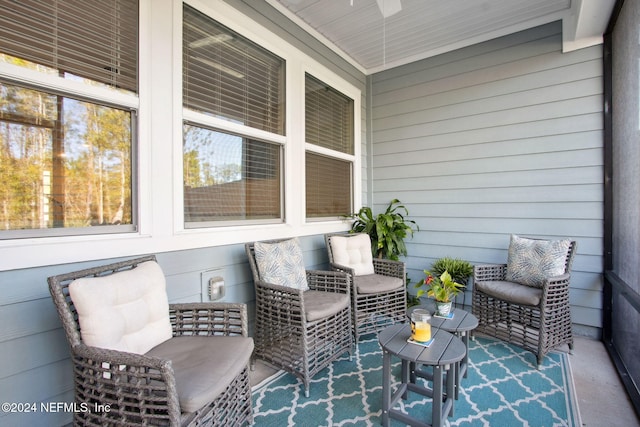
389, 7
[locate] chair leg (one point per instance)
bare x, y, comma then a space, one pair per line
539, 359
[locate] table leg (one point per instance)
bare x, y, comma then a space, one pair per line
455, 370
436, 417
412, 372
451, 386
465, 359
386, 387
463, 365
407, 374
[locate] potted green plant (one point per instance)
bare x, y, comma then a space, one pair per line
443, 289
459, 269
387, 230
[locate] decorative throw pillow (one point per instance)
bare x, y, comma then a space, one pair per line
281, 263
353, 252
126, 311
530, 261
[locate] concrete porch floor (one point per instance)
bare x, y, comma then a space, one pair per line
602, 399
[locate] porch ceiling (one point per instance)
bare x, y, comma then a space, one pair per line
358, 31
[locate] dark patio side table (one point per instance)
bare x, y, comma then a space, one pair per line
443, 354
461, 325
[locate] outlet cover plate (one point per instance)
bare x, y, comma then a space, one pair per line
205, 277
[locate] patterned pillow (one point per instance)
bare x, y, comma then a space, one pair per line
282, 264
531, 261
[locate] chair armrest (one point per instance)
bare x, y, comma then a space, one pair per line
487, 272
556, 284
209, 318
116, 359
285, 291
559, 280
555, 294
388, 267
269, 293
329, 281
279, 305
119, 376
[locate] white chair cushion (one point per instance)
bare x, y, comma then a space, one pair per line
353, 252
281, 263
530, 261
126, 311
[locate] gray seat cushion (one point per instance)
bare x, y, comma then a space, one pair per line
510, 291
204, 365
319, 304
376, 283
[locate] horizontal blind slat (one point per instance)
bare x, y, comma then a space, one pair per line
328, 117
229, 76
328, 186
92, 39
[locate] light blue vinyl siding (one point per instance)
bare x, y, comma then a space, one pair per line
498, 138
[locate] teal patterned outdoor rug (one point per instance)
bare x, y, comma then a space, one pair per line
502, 389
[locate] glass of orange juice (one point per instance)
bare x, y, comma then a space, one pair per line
420, 326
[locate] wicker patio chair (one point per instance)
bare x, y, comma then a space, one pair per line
537, 319
300, 331
198, 376
378, 292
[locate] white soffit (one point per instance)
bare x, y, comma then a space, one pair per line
357, 30
586, 23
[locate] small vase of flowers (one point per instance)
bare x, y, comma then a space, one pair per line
443, 289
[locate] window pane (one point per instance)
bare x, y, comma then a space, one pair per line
92, 39
64, 163
230, 77
329, 117
329, 186
229, 178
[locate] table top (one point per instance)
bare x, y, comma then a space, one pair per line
462, 320
445, 349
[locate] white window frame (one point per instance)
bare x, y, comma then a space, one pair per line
346, 89
45, 250
159, 146
297, 64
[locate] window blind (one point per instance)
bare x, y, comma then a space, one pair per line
92, 39
230, 77
328, 184
329, 124
328, 117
